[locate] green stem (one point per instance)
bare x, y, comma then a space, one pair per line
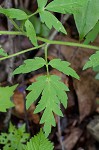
15, 25
33, 14
46, 49
52, 42
12, 33
22, 52
67, 43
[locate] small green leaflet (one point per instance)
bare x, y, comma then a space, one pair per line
30, 65
53, 93
14, 13
14, 139
96, 69
5, 94
64, 6
2, 52
87, 17
39, 142
40, 28
63, 66
91, 36
36, 88
97, 76
41, 3
51, 21
93, 62
31, 32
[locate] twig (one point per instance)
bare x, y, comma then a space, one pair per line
9, 68
25, 111
59, 125
22, 52
59, 134
26, 4
21, 4
16, 3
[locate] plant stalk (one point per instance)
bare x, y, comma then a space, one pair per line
24, 51
14, 24
12, 33
67, 43
46, 55
36, 12
51, 41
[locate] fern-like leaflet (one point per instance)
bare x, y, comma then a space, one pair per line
53, 93
2, 52
49, 87
14, 139
39, 142
5, 95
93, 61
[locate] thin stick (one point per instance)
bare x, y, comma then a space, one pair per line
53, 41
9, 67
59, 134
26, 4
22, 52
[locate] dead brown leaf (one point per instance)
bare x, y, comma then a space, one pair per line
72, 139
19, 110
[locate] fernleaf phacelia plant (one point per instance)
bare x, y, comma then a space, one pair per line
63, 66
14, 13
51, 21
14, 139
31, 32
30, 65
87, 17
48, 18
39, 142
5, 95
2, 52
53, 91
93, 61
49, 88
65, 6
91, 36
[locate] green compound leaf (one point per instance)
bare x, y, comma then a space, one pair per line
88, 16
5, 94
93, 61
51, 21
30, 65
31, 32
2, 52
39, 142
64, 6
63, 66
53, 93
14, 139
41, 3
91, 36
14, 13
